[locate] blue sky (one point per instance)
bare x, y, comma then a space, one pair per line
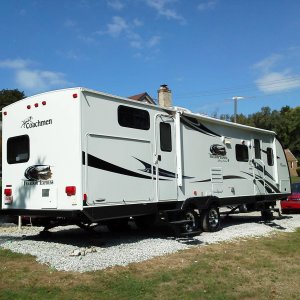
207, 51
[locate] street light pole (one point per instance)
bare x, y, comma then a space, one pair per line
235, 99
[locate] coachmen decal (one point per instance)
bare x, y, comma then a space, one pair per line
38, 175
29, 123
219, 152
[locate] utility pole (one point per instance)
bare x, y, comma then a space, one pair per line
235, 99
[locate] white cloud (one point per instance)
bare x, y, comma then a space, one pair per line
69, 23
35, 80
207, 5
268, 63
153, 41
86, 39
136, 44
115, 4
137, 23
162, 7
274, 76
32, 79
14, 63
274, 82
117, 26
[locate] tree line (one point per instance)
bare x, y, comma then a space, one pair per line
285, 122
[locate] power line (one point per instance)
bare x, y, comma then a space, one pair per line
245, 87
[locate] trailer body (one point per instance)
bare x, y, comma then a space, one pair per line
88, 156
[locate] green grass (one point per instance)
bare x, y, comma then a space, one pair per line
295, 179
265, 268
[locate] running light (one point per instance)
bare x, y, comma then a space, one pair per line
8, 192
70, 190
84, 197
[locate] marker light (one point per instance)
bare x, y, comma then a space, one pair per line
44, 102
36, 104
70, 190
5, 113
8, 192
75, 96
28, 106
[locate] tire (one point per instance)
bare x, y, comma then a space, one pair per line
210, 219
194, 226
145, 222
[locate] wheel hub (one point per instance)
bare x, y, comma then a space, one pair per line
213, 218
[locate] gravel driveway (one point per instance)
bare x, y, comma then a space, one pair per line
73, 249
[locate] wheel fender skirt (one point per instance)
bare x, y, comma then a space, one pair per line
200, 202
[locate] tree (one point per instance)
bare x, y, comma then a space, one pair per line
10, 96
285, 122
7, 97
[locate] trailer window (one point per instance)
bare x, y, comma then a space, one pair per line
165, 137
257, 149
133, 117
241, 153
270, 156
18, 149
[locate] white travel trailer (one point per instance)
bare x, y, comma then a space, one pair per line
80, 156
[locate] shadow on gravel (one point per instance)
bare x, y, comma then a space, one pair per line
101, 237
239, 219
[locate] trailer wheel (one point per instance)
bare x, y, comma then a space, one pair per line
210, 219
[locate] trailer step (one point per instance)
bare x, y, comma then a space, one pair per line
181, 222
172, 210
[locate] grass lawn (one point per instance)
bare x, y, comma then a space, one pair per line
295, 179
265, 268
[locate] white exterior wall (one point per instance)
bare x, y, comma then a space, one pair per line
117, 148
86, 147
56, 145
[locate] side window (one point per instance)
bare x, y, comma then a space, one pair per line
241, 153
257, 149
165, 137
133, 117
270, 156
18, 149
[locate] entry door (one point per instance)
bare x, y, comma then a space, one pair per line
258, 168
165, 162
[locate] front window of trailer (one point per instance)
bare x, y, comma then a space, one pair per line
18, 149
241, 153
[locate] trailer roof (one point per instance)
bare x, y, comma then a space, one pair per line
183, 111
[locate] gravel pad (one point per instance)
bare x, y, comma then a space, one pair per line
73, 249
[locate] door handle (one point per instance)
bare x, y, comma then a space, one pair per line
159, 157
